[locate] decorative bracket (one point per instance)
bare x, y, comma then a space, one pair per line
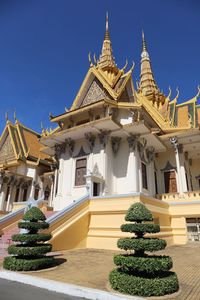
91, 140
132, 141
115, 143
103, 137
150, 154
70, 146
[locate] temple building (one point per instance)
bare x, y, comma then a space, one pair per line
24, 170
119, 143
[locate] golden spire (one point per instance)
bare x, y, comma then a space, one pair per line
144, 48
106, 59
147, 81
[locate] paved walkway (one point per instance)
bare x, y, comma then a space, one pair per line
90, 268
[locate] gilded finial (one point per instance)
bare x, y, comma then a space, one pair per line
144, 47
66, 109
107, 35
50, 115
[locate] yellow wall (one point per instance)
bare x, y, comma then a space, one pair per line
96, 223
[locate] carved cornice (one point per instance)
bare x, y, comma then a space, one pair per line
115, 143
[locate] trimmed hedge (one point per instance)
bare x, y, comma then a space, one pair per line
24, 250
34, 214
33, 225
145, 244
20, 264
31, 238
138, 213
139, 273
140, 228
141, 286
148, 264
30, 254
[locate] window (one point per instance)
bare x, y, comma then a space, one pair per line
156, 183
47, 193
144, 176
36, 193
17, 194
25, 191
80, 172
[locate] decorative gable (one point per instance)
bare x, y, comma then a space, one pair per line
95, 93
6, 150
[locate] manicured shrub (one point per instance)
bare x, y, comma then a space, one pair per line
139, 273
29, 264
30, 253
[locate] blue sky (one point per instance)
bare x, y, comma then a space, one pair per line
44, 47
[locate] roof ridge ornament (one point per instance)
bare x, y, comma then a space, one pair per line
177, 90
198, 93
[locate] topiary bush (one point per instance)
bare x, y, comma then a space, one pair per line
30, 253
139, 273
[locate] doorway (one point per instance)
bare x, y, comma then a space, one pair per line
170, 181
96, 189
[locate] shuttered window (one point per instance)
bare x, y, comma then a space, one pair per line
144, 176
80, 172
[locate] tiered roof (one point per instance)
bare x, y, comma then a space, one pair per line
20, 143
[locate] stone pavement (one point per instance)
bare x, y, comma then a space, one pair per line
90, 268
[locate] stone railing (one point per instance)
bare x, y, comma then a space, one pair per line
175, 197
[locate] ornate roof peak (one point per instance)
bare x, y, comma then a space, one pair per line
147, 81
106, 59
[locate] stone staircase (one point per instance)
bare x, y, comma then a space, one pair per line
6, 238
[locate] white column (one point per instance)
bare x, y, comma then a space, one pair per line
32, 184
182, 186
8, 208
151, 179
103, 139
133, 165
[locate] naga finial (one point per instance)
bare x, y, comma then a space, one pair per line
6, 116
95, 60
177, 95
50, 115
66, 109
15, 116
90, 60
170, 92
198, 93
125, 66
132, 68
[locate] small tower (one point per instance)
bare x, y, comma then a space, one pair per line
147, 81
148, 86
